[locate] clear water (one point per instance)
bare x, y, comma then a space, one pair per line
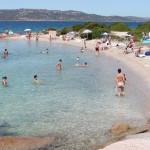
79, 103
36, 26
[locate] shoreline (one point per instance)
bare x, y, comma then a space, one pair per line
137, 65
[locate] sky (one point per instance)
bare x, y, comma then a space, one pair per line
139, 8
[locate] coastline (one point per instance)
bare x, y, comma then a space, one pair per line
140, 66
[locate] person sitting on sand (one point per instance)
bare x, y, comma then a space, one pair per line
120, 80
139, 53
5, 53
4, 81
59, 64
131, 43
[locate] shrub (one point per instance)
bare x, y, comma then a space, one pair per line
77, 27
97, 32
119, 27
145, 27
63, 31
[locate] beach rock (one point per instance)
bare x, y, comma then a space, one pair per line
142, 129
120, 128
23, 143
132, 144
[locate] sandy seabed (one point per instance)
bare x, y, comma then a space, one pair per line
140, 66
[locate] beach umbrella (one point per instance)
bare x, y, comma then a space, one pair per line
72, 32
10, 32
87, 32
27, 30
105, 33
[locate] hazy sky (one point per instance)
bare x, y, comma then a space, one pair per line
101, 7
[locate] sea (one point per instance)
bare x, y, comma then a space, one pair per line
36, 26
76, 105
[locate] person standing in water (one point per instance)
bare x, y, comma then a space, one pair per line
59, 64
85, 42
37, 36
4, 81
5, 53
120, 80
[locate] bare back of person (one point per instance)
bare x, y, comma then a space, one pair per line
120, 83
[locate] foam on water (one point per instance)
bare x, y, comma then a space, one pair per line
77, 102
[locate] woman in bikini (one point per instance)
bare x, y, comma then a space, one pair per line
120, 79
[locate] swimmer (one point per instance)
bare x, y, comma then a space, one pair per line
78, 60
5, 53
81, 65
59, 64
47, 50
82, 50
4, 81
120, 80
36, 80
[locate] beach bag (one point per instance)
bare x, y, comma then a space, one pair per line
147, 53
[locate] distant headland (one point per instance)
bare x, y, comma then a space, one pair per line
58, 15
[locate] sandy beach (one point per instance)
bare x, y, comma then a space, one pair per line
140, 66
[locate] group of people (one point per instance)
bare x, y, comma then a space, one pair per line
120, 78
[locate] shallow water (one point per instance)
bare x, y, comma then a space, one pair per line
79, 103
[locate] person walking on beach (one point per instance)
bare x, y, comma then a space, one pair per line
120, 80
59, 65
50, 38
97, 47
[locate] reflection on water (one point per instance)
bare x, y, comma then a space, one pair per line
79, 103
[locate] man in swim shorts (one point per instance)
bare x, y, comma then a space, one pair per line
4, 81
120, 79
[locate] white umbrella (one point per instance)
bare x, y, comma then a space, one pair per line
87, 32
27, 30
71, 32
105, 33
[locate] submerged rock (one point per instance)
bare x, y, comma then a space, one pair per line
24, 143
120, 128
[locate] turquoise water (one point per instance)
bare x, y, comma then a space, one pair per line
79, 103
